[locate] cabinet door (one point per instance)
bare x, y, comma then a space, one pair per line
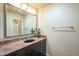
37, 49
20, 52
40, 47
28, 51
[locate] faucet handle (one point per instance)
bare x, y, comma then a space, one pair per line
24, 38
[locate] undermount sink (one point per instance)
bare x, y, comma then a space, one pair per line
29, 40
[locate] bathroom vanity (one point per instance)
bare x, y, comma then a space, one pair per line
17, 26
21, 48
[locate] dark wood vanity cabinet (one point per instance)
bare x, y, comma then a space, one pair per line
20, 52
36, 49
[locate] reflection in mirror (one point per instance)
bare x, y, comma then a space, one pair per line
1, 21
18, 21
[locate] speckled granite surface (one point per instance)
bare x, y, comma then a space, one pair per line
16, 45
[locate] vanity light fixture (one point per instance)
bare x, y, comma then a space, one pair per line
24, 6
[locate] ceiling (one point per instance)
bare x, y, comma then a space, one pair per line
37, 5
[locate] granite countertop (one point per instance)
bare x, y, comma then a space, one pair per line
16, 45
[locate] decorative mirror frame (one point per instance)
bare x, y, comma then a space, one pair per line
5, 18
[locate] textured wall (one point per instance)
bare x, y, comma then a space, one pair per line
60, 43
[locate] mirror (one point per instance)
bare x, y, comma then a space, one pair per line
1, 21
18, 21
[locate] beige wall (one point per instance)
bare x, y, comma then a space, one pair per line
60, 43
